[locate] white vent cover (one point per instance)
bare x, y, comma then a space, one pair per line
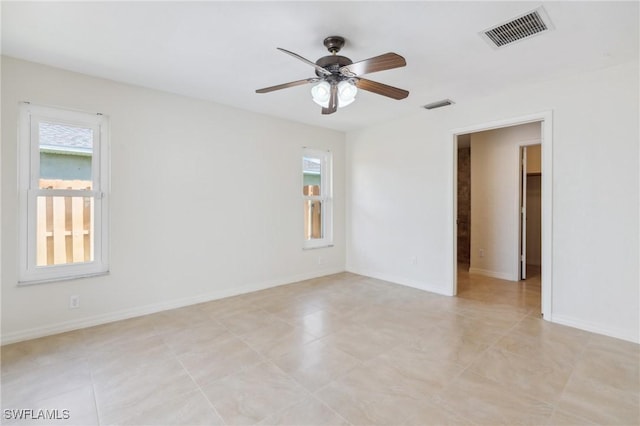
520, 28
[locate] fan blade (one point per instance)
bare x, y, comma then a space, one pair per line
333, 101
381, 89
378, 63
313, 64
285, 85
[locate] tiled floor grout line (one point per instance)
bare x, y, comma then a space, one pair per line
268, 360
346, 373
95, 398
467, 368
326, 403
265, 360
314, 396
176, 356
573, 369
554, 404
434, 400
201, 391
309, 394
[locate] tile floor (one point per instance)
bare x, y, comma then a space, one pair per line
338, 350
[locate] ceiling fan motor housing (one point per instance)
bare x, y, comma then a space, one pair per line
332, 63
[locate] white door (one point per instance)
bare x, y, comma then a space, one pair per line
523, 213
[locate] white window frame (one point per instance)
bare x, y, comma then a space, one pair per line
28, 191
325, 197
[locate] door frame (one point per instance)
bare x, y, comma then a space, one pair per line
546, 140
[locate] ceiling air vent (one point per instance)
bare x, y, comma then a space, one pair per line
525, 26
439, 104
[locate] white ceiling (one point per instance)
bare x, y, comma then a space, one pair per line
223, 51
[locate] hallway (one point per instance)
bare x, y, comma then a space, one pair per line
523, 294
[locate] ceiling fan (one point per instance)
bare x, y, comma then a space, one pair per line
339, 78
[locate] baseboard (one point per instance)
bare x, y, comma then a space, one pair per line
62, 327
596, 328
408, 282
493, 274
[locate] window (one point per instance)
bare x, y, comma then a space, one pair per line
63, 166
317, 198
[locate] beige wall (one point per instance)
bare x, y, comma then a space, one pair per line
205, 202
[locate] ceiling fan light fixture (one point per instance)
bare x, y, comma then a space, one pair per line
347, 92
321, 93
338, 79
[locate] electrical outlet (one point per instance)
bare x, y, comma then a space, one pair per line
320, 260
74, 301
481, 252
413, 260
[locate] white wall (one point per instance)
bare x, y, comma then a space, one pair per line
205, 202
400, 202
495, 199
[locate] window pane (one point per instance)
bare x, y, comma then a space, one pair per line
312, 220
65, 156
311, 171
64, 230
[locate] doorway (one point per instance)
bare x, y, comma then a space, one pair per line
545, 122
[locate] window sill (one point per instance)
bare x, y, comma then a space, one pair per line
58, 279
317, 247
